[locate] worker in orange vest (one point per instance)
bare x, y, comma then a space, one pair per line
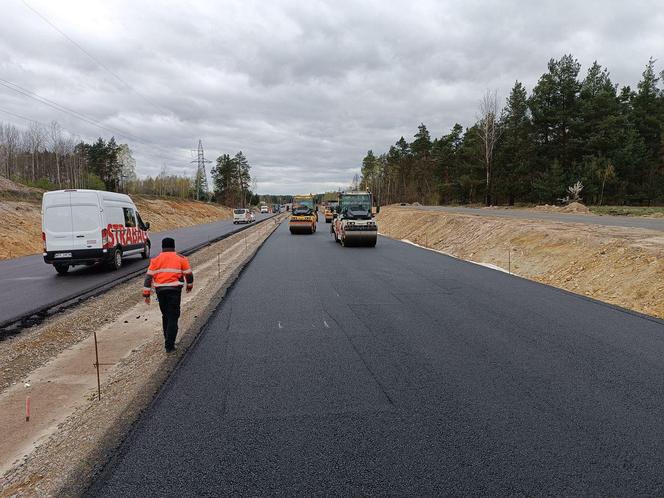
168, 273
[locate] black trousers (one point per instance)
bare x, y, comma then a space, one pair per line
169, 304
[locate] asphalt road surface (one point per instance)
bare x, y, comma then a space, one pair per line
611, 221
400, 371
29, 283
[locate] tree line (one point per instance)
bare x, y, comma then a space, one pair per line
569, 131
47, 157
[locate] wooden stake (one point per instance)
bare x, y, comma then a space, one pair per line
97, 366
27, 408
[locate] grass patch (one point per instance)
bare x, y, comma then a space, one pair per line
627, 210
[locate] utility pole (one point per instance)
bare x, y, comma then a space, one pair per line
201, 184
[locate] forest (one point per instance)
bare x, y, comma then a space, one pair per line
568, 130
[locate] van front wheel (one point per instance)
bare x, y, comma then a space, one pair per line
62, 269
146, 251
116, 260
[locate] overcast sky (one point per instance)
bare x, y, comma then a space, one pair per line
302, 88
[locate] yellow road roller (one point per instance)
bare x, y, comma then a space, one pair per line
354, 223
304, 215
330, 209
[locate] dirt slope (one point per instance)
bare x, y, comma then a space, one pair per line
20, 220
621, 266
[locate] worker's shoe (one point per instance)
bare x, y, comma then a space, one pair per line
170, 349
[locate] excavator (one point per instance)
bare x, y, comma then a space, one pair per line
354, 223
304, 215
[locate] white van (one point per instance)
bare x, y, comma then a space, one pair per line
242, 215
82, 227
264, 209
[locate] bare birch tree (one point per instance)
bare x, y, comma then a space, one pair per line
57, 146
11, 141
489, 132
35, 141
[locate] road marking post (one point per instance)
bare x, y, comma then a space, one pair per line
27, 408
97, 367
218, 264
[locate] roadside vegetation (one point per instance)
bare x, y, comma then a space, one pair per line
656, 211
568, 131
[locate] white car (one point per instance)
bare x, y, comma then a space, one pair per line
242, 215
82, 227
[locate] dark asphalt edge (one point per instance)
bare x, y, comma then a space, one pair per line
614, 307
16, 324
89, 478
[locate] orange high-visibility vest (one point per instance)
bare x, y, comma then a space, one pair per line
169, 269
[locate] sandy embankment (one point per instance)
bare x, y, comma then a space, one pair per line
20, 221
621, 266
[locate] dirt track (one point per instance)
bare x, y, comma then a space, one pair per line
622, 266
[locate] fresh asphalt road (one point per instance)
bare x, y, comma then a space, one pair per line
29, 283
611, 221
400, 371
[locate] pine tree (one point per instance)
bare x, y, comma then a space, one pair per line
647, 119
243, 178
515, 152
554, 105
223, 181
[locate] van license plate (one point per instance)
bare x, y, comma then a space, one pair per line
63, 255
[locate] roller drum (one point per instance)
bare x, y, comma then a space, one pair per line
360, 238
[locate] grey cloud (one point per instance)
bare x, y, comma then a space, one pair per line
302, 88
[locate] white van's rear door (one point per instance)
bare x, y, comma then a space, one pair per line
86, 220
57, 222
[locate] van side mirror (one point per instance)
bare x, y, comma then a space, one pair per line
377, 209
147, 225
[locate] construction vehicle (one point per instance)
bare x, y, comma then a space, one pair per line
304, 214
353, 223
330, 209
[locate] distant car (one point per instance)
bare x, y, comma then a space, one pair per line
242, 215
403, 204
264, 209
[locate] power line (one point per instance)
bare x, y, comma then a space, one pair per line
59, 107
91, 57
20, 117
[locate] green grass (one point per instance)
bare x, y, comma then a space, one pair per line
627, 210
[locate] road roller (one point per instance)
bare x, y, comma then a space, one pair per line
304, 215
354, 223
